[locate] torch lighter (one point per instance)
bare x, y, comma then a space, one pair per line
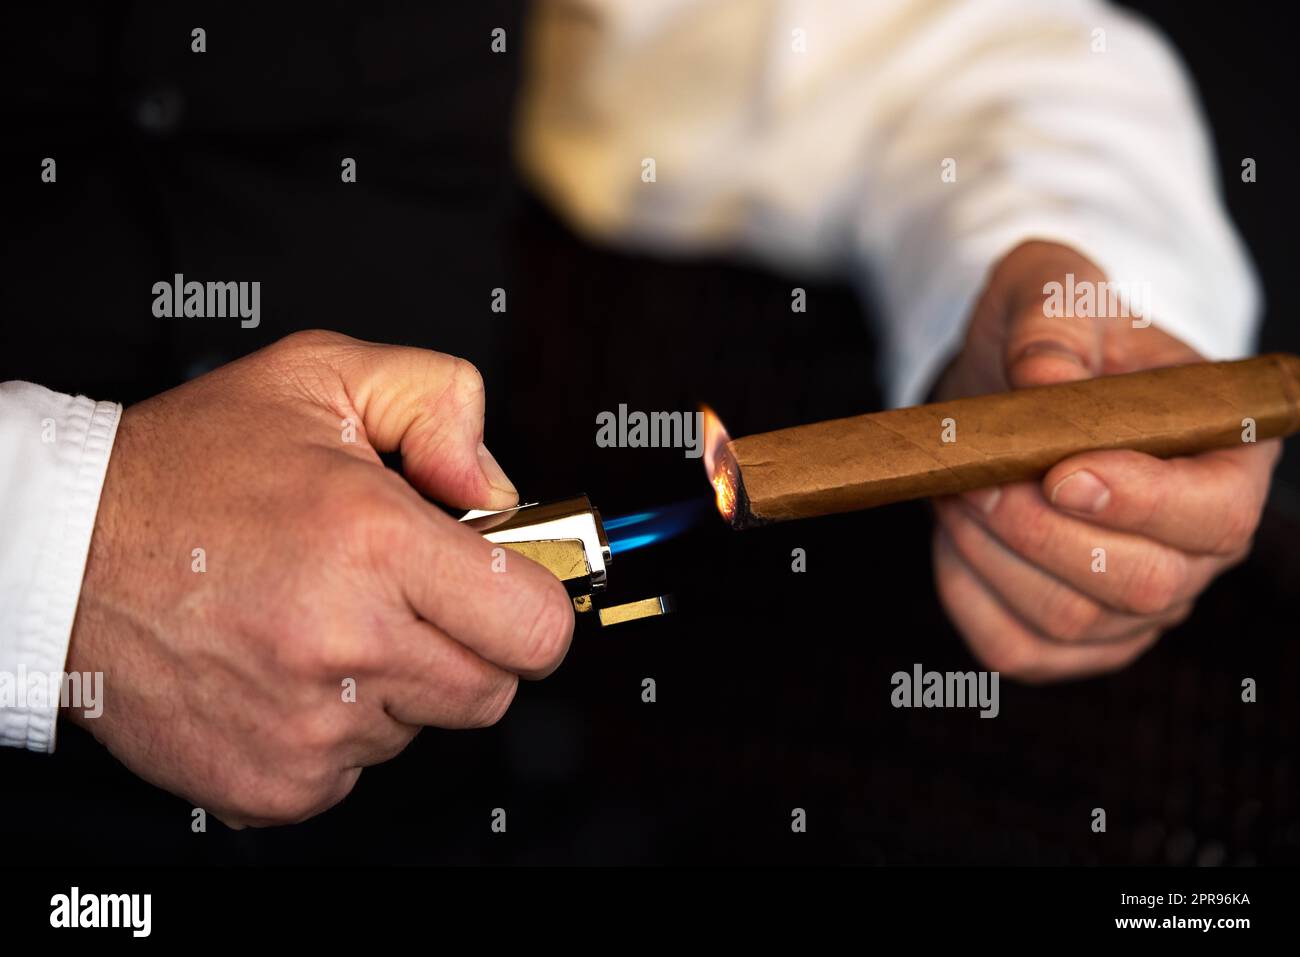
568, 538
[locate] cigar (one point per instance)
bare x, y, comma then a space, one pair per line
843, 465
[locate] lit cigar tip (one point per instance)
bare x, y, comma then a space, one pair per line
719, 464
724, 486
715, 438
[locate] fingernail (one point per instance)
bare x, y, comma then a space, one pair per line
1081, 491
984, 499
1054, 350
493, 472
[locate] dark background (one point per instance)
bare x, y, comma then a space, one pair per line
773, 688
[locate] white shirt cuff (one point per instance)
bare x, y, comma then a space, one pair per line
54, 452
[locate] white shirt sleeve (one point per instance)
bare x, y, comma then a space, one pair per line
54, 453
815, 134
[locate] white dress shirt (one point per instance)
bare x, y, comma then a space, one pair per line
814, 135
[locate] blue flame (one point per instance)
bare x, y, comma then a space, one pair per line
639, 529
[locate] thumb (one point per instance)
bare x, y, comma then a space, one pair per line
1047, 340
430, 406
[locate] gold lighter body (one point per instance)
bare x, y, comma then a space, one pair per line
568, 538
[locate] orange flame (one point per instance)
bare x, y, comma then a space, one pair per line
718, 464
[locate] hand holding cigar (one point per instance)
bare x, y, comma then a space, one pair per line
1090, 476
945, 448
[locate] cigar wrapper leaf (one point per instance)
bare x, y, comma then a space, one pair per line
844, 465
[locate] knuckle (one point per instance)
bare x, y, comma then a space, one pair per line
346, 504
361, 517
294, 644
1238, 529
278, 802
322, 657
294, 804
1155, 584
327, 654
466, 376
1014, 658
318, 731
492, 707
310, 339
1074, 618
1178, 616
1027, 527
964, 535
1139, 647
1146, 503
462, 386
1233, 559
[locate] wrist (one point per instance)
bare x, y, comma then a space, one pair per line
106, 562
